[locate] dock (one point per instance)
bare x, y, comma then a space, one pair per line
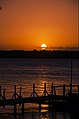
68, 100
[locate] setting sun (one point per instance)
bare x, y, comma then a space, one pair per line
30, 24
43, 46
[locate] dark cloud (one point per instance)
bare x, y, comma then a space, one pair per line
64, 48
0, 8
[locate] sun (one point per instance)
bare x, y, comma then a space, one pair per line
43, 46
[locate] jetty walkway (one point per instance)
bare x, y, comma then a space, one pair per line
68, 100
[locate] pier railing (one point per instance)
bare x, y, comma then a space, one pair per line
50, 97
54, 90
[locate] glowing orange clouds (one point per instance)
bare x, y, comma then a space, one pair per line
26, 24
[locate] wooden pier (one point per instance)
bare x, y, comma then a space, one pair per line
68, 100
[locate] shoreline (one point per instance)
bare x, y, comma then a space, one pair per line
39, 54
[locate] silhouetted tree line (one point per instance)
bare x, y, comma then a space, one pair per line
39, 54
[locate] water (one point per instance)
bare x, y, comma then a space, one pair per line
25, 72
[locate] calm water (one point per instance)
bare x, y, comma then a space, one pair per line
25, 72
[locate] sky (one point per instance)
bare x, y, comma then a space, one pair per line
26, 24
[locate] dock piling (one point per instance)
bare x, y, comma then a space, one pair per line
20, 92
0, 92
4, 93
64, 89
14, 110
22, 108
14, 91
70, 88
45, 92
51, 99
34, 92
39, 107
4, 97
54, 91
78, 89
51, 93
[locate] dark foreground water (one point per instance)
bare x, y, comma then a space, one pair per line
25, 72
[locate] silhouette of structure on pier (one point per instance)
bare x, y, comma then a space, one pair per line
66, 101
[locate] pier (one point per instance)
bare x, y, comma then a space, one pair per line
67, 100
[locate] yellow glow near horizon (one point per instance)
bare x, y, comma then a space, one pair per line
26, 24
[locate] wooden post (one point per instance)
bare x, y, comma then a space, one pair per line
78, 89
54, 91
15, 116
44, 89
22, 108
52, 88
71, 71
64, 89
49, 104
4, 96
4, 93
0, 92
14, 95
51, 92
15, 98
20, 96
70, 88
54, 94
33, 89
44, 92
20, 92
14, 91
39, 107
15, 110
34, 93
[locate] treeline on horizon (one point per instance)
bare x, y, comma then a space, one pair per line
39, 54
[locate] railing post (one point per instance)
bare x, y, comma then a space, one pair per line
71, 72
4, 97
54, 94
4, 93
15, 111
20, 92
44, 89
64, 89
54, 91
0, 92
70, 88
22, 108
44, 92
78, 89
33, 89
52, 88
34, 93
14, 91
39, 107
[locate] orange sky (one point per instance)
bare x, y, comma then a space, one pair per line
26, 24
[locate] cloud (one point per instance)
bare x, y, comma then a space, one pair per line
64, 48
0, 8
